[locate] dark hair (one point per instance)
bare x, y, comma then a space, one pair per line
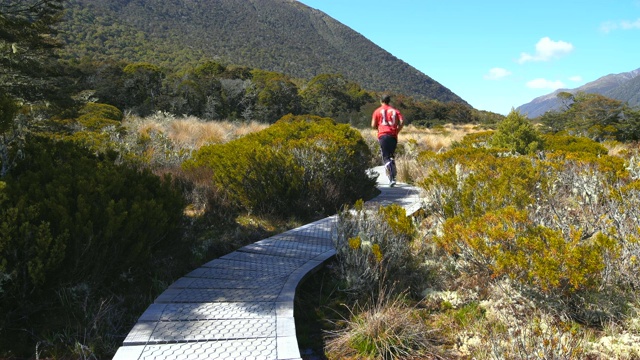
385, 99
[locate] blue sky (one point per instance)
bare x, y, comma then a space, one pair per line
499, 54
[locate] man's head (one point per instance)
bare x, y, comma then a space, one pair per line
385, 99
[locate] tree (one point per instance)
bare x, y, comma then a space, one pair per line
142, 84
630, 124
27, 40
595, 116
8, 134
458, 113
276, 95
331, 95
28, 67
106, 81
566, 98
516, 133
206, 78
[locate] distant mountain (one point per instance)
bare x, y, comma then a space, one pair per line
624, 87
285, 36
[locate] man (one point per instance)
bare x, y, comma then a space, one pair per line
389, 122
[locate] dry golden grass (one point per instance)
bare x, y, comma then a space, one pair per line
149, 128
438, 138
389, 329
413, 140
191, 132
195, 133
434, 139
619, 149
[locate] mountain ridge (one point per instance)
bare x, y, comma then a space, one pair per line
285, 36
623, 86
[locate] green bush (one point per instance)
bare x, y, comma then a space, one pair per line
562, 223
568, 143
95, 116
93, 127
69, 219
475, 140
300, 166
517, 133
469, 182
507, 243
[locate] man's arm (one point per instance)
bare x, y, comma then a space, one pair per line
374, 123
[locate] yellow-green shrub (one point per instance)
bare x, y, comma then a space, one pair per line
506, 243
560, 221
570, 143
93, 126
299, 166
475, 140
468, 182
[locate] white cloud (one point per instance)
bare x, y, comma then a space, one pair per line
545, 84
576, 78
610, 26
547, 49
497, 73
630, 25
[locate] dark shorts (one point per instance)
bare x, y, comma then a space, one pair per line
388, 145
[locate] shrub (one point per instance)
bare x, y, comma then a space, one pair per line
375, 247
476, 140
568, 143
93, 128
300, 166
517, 133
506, 243
69, 218
469, 182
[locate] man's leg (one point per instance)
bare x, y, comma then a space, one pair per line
388, 147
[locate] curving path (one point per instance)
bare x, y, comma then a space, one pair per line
240, 306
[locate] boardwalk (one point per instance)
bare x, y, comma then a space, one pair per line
240, 306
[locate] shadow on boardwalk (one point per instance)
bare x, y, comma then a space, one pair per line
240, 306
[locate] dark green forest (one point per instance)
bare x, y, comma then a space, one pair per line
275, 35
90, 233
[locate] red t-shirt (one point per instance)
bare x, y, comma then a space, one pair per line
387, 119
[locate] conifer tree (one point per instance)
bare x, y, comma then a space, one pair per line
27, 44
28, 65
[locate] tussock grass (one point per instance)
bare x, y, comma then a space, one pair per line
438, 138
162, 142
434, 139
190, 132
387, 329
412, 140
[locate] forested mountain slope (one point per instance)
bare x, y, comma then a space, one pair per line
285, 36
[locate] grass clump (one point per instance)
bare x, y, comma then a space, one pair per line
389, 329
